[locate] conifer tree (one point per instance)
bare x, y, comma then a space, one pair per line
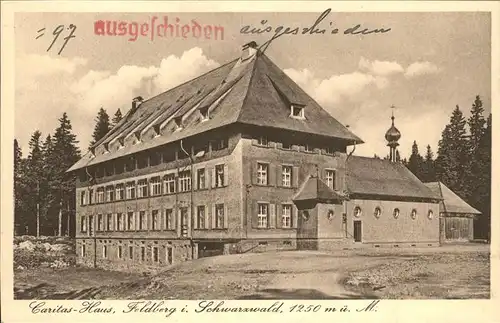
20, 219
66, 153
102, 126
33, 177
428, 168
451, 163
117, 118
415, 162
476, 163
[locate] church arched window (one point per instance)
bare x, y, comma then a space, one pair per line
378, 212
396, 213
413, 214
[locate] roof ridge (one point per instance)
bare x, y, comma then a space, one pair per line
257, 56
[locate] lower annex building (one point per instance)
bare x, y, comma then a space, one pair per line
240, 159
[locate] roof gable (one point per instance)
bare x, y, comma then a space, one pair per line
373, 176
314, 189
451, 203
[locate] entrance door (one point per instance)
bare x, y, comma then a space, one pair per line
357, 231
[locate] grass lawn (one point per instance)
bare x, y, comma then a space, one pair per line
460, 271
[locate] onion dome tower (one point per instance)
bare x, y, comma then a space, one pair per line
392, 136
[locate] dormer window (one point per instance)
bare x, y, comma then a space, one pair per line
297, 111
178, 123
204, 114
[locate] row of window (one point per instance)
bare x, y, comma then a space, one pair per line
271, 215
122, 252
395, 213
156, 186
153, 158
159, 220
264, 141
287, 175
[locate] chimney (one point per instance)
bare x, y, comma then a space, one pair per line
248, 50
136, 102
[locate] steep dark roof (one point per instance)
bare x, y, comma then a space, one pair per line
315, 189
253, 91
451, 203
373, 176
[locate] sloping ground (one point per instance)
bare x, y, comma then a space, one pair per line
446, 272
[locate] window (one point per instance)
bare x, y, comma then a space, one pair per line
262, 215
286, 145
430, 214
413, 214
297, 111
109, 222
130, 221
154, 220
110, 194
105, 251
330, 215
143, 253
119, 222
169, 219
357, 211
286, 216
201, 217
184, 181
142, 220
330, 178
169, 156
169, 184
130, 164
201, 149
262, 172
308, 148
396, 213
130, 190
91, 196
100, 224
200, 178
120, 252
170, 254
155, 158
142, 161
378, 212
286, 176
130, 252
262, 141
329, 150
120, 192
83, 250
142, 189
155, 186
83, 198
219, 216
155, 254
91, 225
220, 144
100, 195
83, 224
219, 175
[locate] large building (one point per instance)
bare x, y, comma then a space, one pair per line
237, 160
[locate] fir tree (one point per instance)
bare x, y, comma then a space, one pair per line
20, 212
101, 128
415, 162
451, 163
33, 177
428, 168
66, 153
117, 117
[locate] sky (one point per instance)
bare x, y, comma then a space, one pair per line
425, 65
